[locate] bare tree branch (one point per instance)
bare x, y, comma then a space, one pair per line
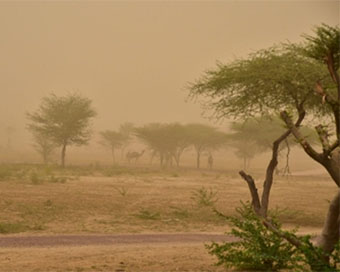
323, 136
253, 191
303, 142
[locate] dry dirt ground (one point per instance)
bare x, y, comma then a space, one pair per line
97, 205
120, 252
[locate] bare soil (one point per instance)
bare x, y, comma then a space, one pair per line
118, 253
114, 239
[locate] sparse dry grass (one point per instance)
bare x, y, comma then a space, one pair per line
138, 201
136, 258
150, 202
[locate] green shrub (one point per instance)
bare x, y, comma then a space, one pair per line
6, 227
316, 258
35, 178
204, 197
5, 172
257, 248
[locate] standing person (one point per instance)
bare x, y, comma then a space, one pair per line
210, 161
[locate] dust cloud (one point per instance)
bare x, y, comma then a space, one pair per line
134, 59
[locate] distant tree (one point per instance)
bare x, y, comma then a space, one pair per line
43, 145
10, 130
168, 141
256, 135
126, 130
65, 120
178, 139
113, 140
205, 138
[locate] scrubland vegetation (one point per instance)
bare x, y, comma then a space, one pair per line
40, 199
273, 95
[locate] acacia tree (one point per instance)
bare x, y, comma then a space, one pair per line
167, 140
65, 120
113, 140
205, 138
126, 130
256, 135
43, 145
284, 79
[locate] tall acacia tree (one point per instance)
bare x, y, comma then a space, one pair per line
113, 140
205, 138
287, 80
63, 119
256, 135
167, 140
43, 145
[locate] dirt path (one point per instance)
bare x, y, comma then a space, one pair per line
113, 239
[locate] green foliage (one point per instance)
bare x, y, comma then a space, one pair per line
256, 135
335, 256
315, 257
43, 145
204, 197
166, 140
113, 140
6, 227
35, 178
257, 248
63, 120
268, 81
5, 173
325, 44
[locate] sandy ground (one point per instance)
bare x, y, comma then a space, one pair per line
109, 240
128, 252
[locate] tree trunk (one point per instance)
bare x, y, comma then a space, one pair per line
198, 160
45, 157
63, 155
113, 155
330, 232
177, 158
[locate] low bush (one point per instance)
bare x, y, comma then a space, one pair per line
257, 248
204, 196
6, 227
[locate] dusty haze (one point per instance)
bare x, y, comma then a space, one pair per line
133, 59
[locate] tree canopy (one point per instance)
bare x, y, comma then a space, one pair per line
269, 81
65, 120
113, 140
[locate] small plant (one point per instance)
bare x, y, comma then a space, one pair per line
204, 197
121, 190
175, 175
180, 212
35, 178
6, 227
147, 215
257, 248
55, 179
5, 172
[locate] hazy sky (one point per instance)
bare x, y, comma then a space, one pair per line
134, 59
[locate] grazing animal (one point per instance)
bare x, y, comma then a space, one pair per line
134, 156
